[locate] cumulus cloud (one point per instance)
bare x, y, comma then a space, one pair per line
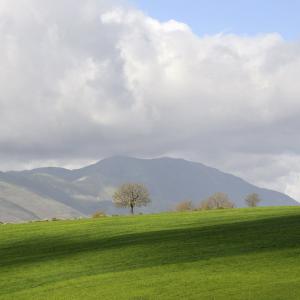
92, 78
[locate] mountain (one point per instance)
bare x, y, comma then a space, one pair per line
18, 204
62, 193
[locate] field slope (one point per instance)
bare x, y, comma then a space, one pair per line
230, 254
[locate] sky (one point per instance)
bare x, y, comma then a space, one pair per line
87, 79
245, 17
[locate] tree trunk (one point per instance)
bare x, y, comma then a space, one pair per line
131, 208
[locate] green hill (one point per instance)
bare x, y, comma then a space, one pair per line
226, 254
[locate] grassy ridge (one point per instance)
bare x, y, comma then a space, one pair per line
230, 254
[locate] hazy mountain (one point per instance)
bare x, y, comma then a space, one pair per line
58, 192
20, 204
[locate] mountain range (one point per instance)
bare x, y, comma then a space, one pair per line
61, 193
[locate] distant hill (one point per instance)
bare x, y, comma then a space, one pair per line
62, 193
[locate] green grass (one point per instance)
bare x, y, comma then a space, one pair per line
229, 254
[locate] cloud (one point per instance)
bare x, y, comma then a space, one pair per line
88, 79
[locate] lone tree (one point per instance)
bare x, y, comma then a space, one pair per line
252, 200
217, 201
131, 195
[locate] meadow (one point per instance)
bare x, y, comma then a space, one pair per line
222, 254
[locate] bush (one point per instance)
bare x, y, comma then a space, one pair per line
99, 214
217, 201
186, 205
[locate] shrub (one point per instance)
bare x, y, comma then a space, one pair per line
99, 214
217, 201
184, 206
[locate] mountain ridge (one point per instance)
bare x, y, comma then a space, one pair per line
80, 192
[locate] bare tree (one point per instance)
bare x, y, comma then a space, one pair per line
184, 206
217, 201
252, 200
131, 195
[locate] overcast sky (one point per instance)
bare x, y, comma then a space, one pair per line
86, 79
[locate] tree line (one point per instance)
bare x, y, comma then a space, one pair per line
217, 201
132, 195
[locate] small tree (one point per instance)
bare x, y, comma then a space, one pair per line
252, 200
131, 195
217, 201
184, 206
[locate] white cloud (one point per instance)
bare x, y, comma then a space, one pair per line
86, 79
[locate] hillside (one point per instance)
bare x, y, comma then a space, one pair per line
83, 191
225, 254
17, 204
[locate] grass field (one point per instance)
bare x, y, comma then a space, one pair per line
226, 254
